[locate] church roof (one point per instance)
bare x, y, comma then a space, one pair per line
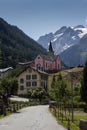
50, 48
49, 57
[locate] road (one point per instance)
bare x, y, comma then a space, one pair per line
31, 118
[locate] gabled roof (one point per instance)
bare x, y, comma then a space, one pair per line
49, 57
5, 69
34, 68
40, 71
25, 63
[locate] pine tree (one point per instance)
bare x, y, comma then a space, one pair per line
84, 84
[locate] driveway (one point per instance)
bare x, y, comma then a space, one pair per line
31, 118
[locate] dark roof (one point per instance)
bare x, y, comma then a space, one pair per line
49, 57
5, 69
40, 71
26, 63
34, 68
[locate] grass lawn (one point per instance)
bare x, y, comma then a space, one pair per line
79, 115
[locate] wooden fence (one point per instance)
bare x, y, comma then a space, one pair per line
11, 108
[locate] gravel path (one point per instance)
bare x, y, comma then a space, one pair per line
31, 118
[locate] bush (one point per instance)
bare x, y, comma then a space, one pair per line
82, 104
76, 101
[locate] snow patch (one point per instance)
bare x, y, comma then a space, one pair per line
59, 35
84, 31
66, 46
74, 38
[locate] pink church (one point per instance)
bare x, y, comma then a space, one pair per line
49, 62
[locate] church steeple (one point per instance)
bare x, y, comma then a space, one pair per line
50, 48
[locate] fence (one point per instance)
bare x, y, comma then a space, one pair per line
63, 115
12, 108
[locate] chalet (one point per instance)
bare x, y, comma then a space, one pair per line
49, 62
31, 78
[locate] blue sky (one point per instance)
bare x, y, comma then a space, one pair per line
39, 17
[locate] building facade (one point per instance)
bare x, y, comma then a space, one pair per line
49, 62
31, 78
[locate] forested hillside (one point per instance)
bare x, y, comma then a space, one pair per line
16, 46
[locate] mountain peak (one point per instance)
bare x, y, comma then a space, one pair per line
70, 43
61, 30
79, 26
63, 38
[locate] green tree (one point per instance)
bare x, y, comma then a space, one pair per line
30, 93
8, 86
13, 82
60, 89
38, 93
60, 93
84, 84
41, 93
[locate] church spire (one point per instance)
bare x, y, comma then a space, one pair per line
50, 48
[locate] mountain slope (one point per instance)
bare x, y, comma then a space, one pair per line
16, 46
63, 38
77, 54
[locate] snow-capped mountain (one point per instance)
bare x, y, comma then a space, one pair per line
76, 55
63, 38
44, 40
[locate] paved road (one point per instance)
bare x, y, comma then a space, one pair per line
31, 118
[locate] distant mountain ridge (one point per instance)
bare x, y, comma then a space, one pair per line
77, 54
16, 46
63, 38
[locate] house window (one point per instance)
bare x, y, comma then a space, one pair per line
38, 57
50, 66
21, 80
21, 87
42, 68
43, 77
42, 84
28, 84
46, 65
38, 66
34, 83
28, 77
58, 66
34, 76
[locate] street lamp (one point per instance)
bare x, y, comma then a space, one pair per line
72, 107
